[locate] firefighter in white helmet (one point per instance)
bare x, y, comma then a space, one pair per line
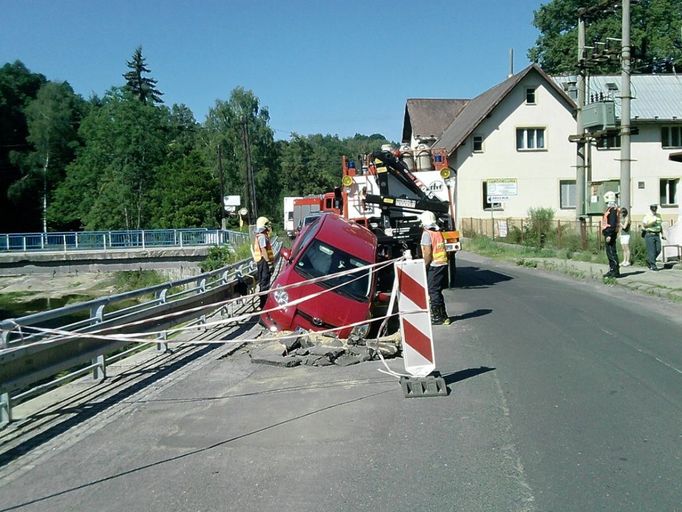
436, 261
264, 256
610, 225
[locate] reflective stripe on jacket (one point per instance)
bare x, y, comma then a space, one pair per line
438, 253
256, 249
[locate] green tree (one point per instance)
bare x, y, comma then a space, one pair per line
312, 164
142, 87
52, 120
188, 195
655, 35
110, 183
229, 125
18, 86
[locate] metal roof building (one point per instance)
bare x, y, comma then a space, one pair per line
654, 97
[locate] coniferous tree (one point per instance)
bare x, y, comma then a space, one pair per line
142, 87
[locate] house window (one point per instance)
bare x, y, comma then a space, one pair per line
530, 96
609, 142
567, 194
487, 205
478, 144
671, 136
530, 139
668, 188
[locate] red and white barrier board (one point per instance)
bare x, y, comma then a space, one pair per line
415, 320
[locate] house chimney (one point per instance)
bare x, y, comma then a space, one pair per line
511, 63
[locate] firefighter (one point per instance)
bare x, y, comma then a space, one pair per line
436, 261
610, 225
264, 256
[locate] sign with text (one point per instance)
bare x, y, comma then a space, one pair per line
502, 187
497, 199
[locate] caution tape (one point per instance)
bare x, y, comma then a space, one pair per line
61, 334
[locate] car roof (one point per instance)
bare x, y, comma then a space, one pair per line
347, 236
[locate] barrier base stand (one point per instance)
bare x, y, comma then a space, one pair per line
417, 387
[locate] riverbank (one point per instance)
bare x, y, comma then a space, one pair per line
23, 294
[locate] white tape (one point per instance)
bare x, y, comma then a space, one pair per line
143, 337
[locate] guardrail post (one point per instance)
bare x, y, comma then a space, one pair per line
104, 238
99, 372
180, 238
97, 315
7, 241
5, 408
162, 346
23, 238
143, 238
4, 337
64, 238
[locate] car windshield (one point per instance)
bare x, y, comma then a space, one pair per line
320, 259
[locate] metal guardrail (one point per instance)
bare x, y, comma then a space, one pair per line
24, 362
111, 240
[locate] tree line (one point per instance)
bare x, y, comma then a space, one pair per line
128, 161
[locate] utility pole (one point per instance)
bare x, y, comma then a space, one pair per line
250, 184
580, 146
45, 167
625, 160
221, 174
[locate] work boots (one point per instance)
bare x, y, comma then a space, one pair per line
444, 315
436, 315
439, 316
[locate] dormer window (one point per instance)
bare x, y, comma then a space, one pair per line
530, 96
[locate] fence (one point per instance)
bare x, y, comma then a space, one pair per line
561, 234
112, 240
25, 361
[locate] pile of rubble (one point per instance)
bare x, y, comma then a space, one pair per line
319, 350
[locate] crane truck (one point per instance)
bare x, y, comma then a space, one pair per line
386, 196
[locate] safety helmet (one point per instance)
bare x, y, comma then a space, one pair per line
427, 218
262, 222
610, 197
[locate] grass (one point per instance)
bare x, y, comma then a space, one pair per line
546, 258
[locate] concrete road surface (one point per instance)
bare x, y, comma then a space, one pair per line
564, 396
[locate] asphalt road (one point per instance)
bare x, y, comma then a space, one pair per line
564, 396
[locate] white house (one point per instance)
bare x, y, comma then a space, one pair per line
518, 132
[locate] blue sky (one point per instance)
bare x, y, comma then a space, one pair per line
319, 66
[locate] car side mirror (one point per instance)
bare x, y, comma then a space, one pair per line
285, 252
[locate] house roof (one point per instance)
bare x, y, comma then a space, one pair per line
654, 97
477, 109
428, 118
676, 157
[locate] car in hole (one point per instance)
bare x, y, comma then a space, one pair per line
327, 246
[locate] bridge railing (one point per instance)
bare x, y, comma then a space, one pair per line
112, 240
28, 357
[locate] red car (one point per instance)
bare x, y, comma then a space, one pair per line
327, 246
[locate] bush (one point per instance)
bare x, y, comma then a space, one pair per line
136, 279
219, 257
539, 227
